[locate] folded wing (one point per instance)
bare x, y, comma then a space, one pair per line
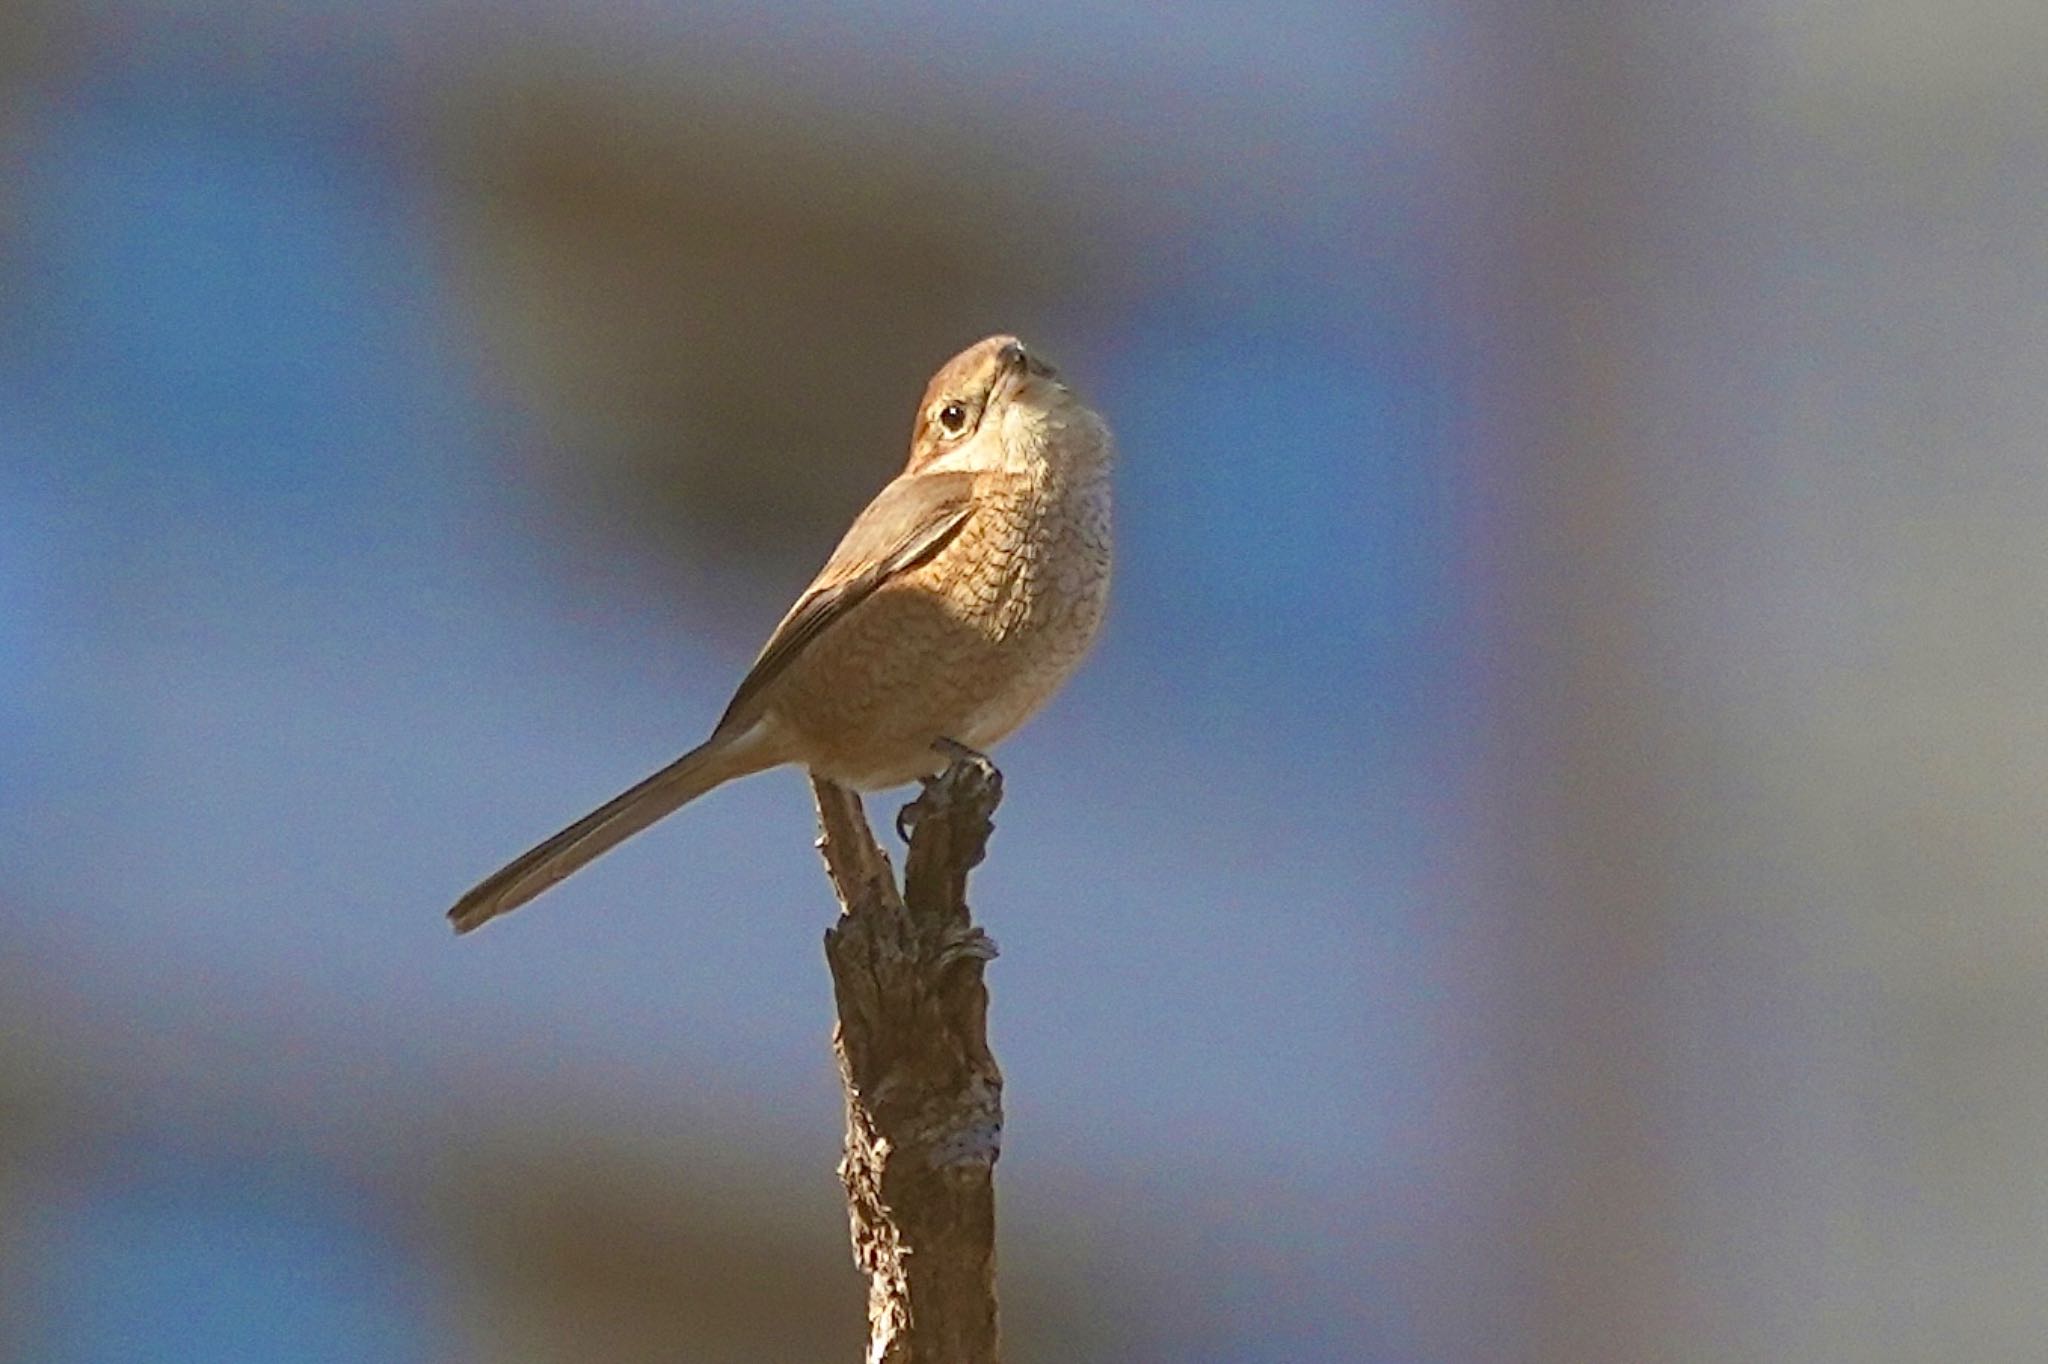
908, 522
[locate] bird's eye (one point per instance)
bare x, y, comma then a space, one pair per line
953, 418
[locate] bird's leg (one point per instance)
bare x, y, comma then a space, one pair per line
958, 755
961, 753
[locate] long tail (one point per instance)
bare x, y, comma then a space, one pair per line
717, 760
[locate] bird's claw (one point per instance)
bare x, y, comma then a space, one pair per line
910, 814
957, 755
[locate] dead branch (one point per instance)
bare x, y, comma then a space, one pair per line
924, 1099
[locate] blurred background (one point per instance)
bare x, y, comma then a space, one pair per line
1546, 865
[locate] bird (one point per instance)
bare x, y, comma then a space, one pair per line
958, 602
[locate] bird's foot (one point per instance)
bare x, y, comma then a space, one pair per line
961, 753
978, 769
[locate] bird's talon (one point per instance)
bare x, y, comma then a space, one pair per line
957, 753
959, 758
912, 814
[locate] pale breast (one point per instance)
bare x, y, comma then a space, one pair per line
1041, 588
965, 647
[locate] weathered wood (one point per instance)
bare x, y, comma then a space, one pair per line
924, 1112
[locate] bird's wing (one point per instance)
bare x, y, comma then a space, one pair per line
908, 522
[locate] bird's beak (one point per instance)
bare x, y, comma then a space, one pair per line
1016, 365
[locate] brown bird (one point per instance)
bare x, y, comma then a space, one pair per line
959, 601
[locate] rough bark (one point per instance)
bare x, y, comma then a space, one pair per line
924, 1113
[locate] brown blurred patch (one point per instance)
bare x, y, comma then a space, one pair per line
33, 44
722, 309
576, 1247
584, 1253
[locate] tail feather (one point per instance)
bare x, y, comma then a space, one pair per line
721, 758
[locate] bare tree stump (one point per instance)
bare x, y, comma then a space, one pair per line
924, 1099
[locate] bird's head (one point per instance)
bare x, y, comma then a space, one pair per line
996, 404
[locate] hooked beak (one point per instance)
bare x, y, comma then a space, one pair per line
1016, 366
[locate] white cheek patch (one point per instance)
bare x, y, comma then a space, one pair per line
959, 459
1026, 432
1015, 441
